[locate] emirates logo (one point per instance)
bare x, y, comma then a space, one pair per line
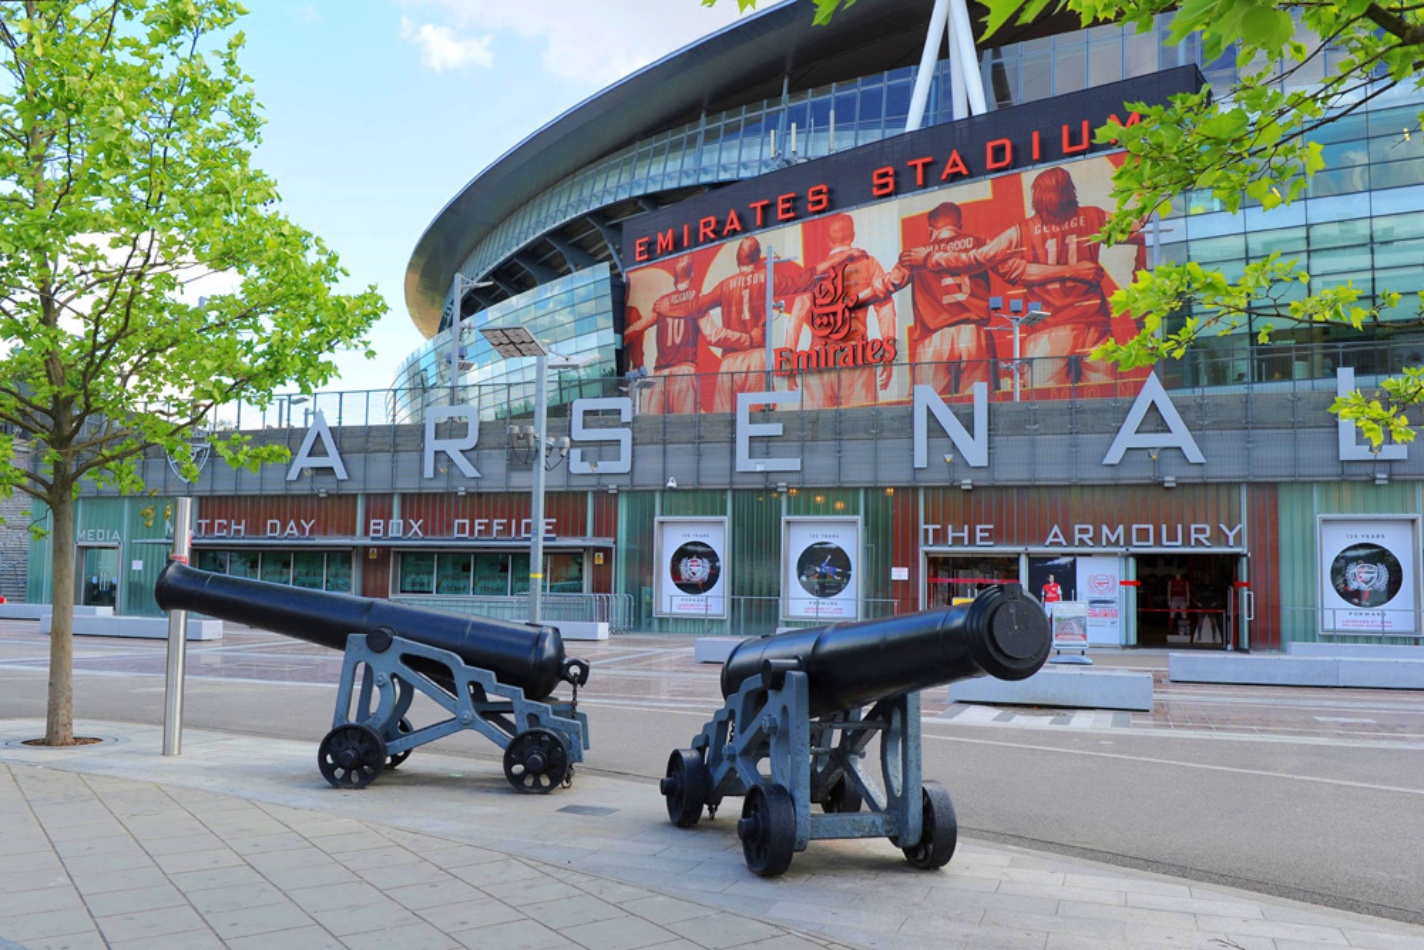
830, 306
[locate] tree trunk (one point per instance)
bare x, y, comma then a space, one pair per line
59, 724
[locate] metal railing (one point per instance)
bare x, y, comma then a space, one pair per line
616, 610
1275, 367
1345, 625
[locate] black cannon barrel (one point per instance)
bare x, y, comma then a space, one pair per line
1003, 632
522, 655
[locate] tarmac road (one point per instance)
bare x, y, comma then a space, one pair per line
1324, 803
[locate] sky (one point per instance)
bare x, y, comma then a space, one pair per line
379, 111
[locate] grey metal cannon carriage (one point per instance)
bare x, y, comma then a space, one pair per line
492, 676
809, 703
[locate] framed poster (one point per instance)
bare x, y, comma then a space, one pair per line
1070, 625
1368, 574
820, 568
1100, 584
692, 567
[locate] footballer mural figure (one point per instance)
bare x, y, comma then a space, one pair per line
741, 299
1055, 256
680, 328
949, 345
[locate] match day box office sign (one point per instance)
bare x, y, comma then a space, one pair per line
692, 567
820, 569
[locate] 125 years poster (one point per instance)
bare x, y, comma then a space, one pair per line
692, 567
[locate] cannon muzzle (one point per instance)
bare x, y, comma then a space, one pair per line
529, 657
1003, 633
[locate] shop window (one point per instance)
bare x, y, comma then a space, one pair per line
309, 570
491, 575
452, 574
565, 574
276, 567
214, 561
519, 574
417, 573
244, 564
338, 572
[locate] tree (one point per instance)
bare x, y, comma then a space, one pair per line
126, 129
1253, 145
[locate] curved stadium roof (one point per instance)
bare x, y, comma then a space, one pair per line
744, 62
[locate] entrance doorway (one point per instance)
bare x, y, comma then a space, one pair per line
948, 576
99, 577
1184, 601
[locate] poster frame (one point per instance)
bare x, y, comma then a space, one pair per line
1327, 612
663, 579
789, 583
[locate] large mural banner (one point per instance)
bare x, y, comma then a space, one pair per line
930, 281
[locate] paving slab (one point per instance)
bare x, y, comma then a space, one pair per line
238, 842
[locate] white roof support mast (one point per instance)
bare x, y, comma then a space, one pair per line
966, 84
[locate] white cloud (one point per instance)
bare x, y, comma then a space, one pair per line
442, 50
592, 43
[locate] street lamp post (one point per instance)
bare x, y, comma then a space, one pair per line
519, 341
1017, 320
458, 285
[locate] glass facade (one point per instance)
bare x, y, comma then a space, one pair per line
573, 315
1359, 222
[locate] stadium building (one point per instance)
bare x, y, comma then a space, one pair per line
817, 305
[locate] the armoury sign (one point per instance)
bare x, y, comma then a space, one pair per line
1033, 134
971, 444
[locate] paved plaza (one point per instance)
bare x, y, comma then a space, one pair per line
239, 842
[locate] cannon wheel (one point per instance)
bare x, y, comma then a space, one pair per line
351, 756
768, 829
842, 798
941, 830
685, 787
536, 761
404, 728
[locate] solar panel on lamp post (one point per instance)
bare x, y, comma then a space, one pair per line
512, 343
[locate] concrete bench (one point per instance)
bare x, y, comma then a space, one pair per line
1373, 651
10, 611
581, 629
149, 628
1077, 687
1287, 670
714, 649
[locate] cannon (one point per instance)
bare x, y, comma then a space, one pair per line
809, 702
494, 677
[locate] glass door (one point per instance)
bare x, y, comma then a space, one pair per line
99, 577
